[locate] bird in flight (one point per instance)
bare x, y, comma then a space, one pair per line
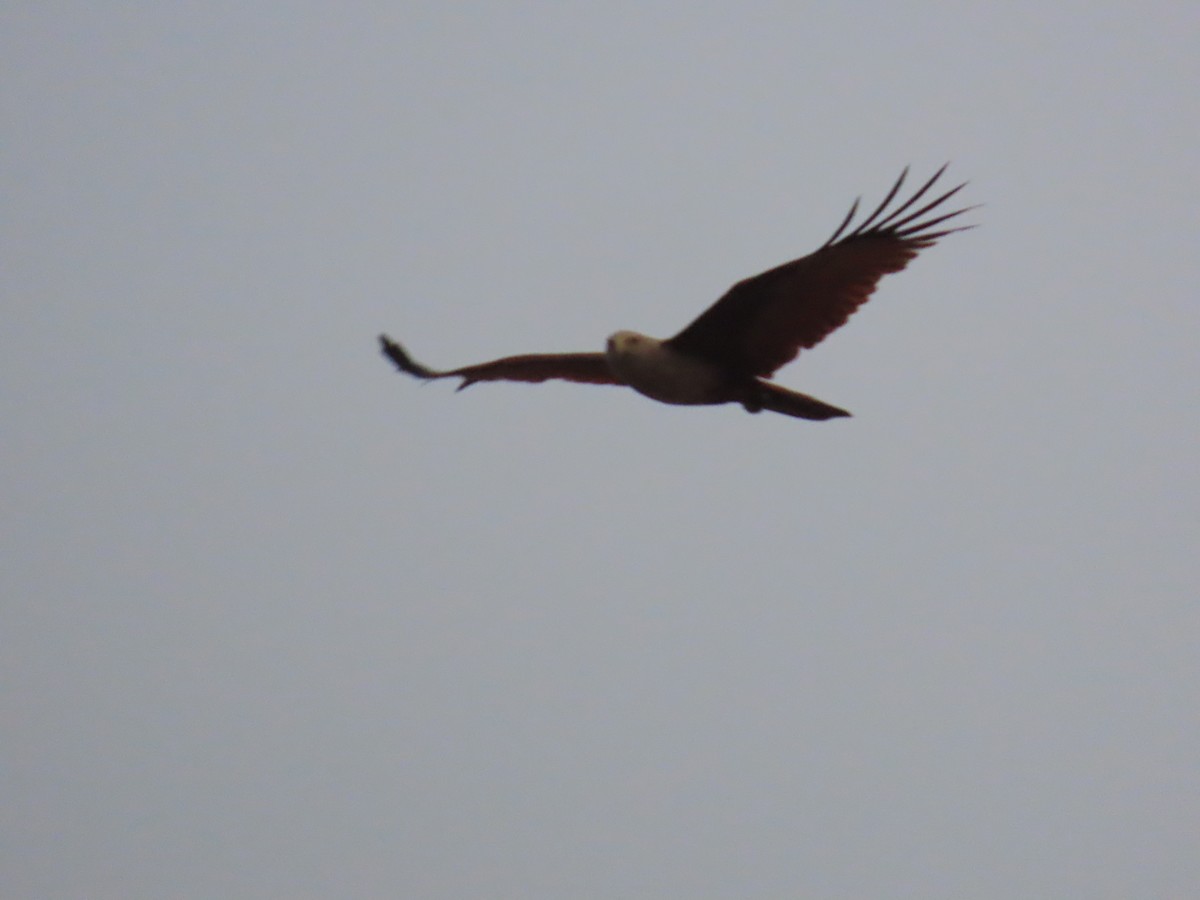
731, 350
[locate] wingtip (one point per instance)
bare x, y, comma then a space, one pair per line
401, 360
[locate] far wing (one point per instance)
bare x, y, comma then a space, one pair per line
589, 368
763, 322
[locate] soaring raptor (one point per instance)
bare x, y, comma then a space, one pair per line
727, 354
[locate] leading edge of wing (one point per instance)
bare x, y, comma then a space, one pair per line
585, 368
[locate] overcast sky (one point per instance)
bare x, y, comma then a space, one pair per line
279, 622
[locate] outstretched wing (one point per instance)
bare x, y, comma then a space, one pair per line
763, 322
589, 368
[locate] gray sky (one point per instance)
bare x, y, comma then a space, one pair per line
278, 622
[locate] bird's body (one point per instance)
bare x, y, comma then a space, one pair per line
653, 369
760, 324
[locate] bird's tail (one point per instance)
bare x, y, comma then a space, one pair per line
793, 403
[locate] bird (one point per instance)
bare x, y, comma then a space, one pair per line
729, 353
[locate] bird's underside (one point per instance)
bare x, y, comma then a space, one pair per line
727, 354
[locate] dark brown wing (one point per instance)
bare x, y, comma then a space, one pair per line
763, 322
589, 368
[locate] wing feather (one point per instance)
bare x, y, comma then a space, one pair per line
588, 368
761, 323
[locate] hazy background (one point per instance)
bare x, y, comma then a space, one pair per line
278, 622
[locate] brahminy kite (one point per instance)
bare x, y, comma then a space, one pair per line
728, 353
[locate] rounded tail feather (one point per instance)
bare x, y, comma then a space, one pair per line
793, 403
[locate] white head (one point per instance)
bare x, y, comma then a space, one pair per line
627, 343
